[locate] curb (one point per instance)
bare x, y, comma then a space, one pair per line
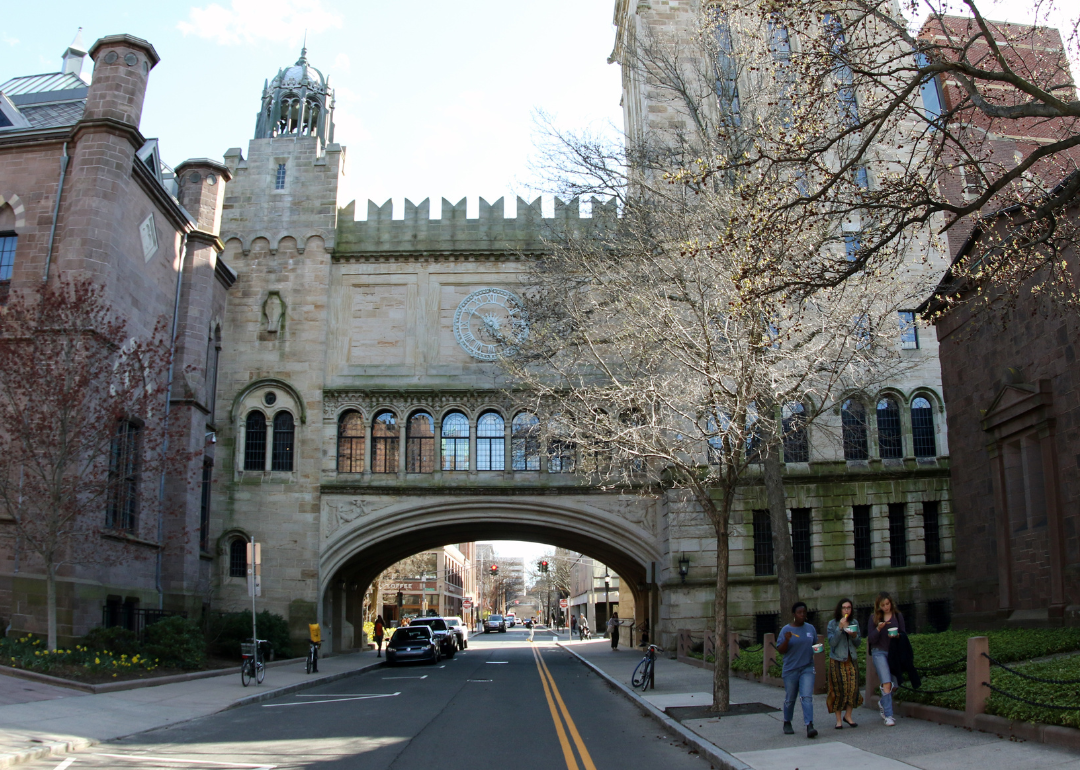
278, 692
45, 750
711, 751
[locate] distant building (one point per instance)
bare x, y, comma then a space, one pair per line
594, 592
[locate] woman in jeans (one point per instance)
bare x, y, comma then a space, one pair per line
797, 646
887, 622
843, 633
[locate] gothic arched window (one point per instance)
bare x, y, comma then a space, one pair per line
237, 558
384, 443
922, 428
255, 441
350, 443
796, 438
8, 241
455, 442
890, 441
123, 477
281, 455
853, 419
420, 443
561, 451
490, 442
525, 442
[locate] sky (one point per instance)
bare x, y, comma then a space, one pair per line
434, 99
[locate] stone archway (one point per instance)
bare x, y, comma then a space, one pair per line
363, 534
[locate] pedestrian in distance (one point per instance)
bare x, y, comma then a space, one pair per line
843, 634
798, 643
573, 625
613, 630
644, 628
380, 632
583, 629
888, 624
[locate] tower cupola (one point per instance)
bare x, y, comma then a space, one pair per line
297, 102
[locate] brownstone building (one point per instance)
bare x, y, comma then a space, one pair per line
84, 194
1010, 377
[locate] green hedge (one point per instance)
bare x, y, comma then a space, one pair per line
176, 641
225, 631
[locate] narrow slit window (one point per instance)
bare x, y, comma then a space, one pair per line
861, 525
255, 442
931, 532
890, 439
764, 563
897, 535
801, 526
281, 457
853, 419
922, 428
8, 242
279, 178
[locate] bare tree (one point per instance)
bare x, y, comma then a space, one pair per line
82, 432
652, 360
900, 129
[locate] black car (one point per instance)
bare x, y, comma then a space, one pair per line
411, 643
444, 635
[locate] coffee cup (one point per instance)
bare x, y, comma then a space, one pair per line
819, 647
894, 631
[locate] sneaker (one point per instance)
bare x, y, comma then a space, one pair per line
890, 722
788, 729
810, 731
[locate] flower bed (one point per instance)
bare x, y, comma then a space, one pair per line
78, 662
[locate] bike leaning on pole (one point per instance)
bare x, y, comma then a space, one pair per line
645, 673
251, 665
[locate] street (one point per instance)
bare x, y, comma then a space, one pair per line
503, 702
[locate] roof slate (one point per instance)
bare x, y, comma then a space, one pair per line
53, 115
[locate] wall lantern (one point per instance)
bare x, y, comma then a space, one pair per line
684, 567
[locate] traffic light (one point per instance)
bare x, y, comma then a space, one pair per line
544, 566
494, 570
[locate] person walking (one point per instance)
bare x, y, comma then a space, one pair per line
583, 629
380, 632
843, 634
888, 624
797, 646
613, 630
644, 628
573, 625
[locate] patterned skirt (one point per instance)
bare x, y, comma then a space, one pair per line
843, 686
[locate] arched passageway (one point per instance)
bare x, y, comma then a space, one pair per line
358, 550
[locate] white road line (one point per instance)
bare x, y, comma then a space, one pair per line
332, 700
425, 676
496, 662
65, 764
185, 761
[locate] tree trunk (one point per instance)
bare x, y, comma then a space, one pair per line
783, 556
50, 605
721, 679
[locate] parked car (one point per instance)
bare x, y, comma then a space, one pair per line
447, 639
495, 623
412, 643
511, 621
457, 625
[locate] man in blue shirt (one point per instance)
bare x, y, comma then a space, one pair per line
797, 640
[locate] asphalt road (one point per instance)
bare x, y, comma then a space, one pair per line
503, 703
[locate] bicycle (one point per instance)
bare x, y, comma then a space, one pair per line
251, 665
645, 671
313, 657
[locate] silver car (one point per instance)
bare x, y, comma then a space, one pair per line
495, 623
458, 627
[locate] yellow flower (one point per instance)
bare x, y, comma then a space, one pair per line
97, 661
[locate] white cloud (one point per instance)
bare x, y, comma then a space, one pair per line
251, 21
342, 63
10, 40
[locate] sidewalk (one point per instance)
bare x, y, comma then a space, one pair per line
65, 720
757, 739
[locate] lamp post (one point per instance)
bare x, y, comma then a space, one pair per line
684, 568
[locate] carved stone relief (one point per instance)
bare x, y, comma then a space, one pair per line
273, 312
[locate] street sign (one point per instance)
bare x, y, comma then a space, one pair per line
517, 601
466, 605
564, 603
254, 569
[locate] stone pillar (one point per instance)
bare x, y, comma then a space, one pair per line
337, 615
978, 671
1003, 531
821, 668
1055, 522
768, 656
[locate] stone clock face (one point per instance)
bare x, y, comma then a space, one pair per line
489, 323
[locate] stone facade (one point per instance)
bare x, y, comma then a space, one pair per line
124, 222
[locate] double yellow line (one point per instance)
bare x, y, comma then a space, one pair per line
549, 688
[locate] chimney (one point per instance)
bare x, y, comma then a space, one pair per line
74, 55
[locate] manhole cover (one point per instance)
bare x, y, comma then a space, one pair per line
686, 713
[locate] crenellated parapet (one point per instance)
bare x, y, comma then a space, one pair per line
491, 235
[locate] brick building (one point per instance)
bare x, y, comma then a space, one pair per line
83, 193
1009, 376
